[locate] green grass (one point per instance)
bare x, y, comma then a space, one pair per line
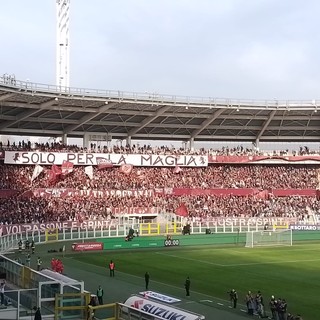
292, 273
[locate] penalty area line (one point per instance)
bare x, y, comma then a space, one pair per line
190, 259
238, 264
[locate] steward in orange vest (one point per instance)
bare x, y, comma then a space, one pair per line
111, 268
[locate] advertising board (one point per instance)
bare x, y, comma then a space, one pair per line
87, 246
161, 310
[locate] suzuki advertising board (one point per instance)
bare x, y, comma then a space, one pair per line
159, 310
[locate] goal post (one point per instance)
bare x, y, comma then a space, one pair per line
51, 234
269, 238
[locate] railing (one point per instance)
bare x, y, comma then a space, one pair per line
156, 98
42, 289
10, 241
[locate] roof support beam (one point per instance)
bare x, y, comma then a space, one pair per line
206, 123
26, 114
6, 96
86, 118
148, 120
265, 125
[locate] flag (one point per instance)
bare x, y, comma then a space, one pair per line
126, 168
140, 175
54, 174
182, 210
104, 163
89, 171
177, 169
66, 167
36, 172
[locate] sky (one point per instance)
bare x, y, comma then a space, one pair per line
246, 49
240, 49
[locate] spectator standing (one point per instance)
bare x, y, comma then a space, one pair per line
2, 286
111, 268
273, 307
27, 244
28, 260
100, 295
250, 303
146, 279
282, 309
187, 286
233, 298
39, 263
33, 246
20, 246
260, 305
37, 315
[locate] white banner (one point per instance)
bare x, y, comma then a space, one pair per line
36, 172
91, 159
89, 171
159, 296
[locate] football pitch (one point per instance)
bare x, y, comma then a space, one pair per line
292, 273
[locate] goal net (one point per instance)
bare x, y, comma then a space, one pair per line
269, 238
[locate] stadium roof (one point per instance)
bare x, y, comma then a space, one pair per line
44, 110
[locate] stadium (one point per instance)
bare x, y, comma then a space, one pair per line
228, 231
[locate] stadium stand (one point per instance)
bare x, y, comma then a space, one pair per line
219, 190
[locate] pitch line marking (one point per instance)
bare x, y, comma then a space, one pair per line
238, 264
190, 259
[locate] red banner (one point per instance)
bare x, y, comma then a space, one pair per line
6, 193
87, 246
294, 192
182, 210
104, 163
237, 192
263, 159
54, 174
69, 192
126, 168
66, 167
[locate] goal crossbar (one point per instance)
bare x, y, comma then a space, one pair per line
269, 238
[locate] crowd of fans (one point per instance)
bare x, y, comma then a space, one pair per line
18, 209
22, 209
262, 177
